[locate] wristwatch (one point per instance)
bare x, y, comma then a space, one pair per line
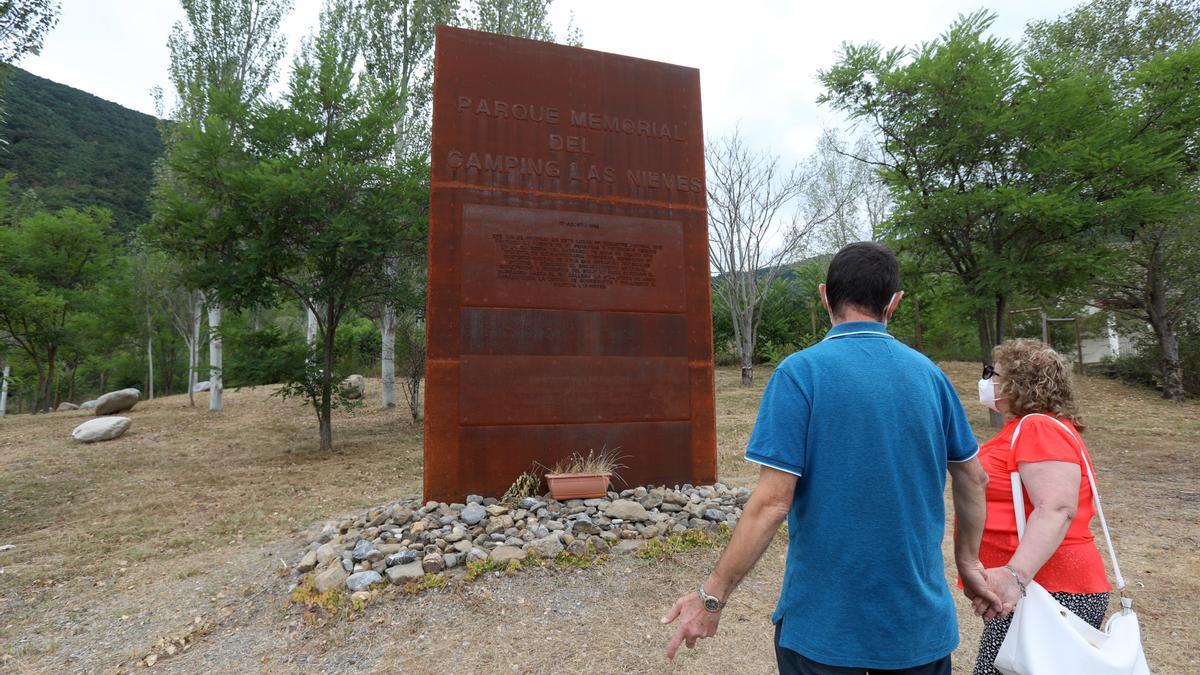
711, 602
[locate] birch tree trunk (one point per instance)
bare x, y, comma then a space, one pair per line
4, 390
215, 388
149, 356
388, 357
194, 348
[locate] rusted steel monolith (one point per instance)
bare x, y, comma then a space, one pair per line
569, 296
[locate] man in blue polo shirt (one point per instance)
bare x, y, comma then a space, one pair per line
855, 436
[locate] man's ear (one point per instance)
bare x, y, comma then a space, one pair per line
824, 299
891, 308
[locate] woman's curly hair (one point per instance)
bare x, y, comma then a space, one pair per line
1037, 379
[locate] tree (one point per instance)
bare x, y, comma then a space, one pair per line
49, 266
1005, 173
24, 25
398, 52
748, 194
1149, 53
305, 200
521, 18
223, 59
838, 193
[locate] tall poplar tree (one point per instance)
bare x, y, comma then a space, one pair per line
224, 57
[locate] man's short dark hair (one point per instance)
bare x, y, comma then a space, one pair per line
863, 275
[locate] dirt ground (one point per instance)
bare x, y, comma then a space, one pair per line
183, 528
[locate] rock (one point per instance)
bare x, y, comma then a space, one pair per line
101, 429
584, 526
65, 406
503, 554
474, 499
476, 555
451, 560
117, 401
360, 596
401, 558
473, 513
531, 504
578, 548
362, 549
676, 498
308, 562
361, 581
402, 573
325, 553
401, 515
715, 514
546, 547
87, 405
463, 546
599, 545
627, 510
627, 546
496, 510
354, 386
331, 578
201, 386
433, 563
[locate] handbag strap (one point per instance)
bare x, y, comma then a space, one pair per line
1019, 502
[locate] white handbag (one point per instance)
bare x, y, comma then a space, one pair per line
1046, 638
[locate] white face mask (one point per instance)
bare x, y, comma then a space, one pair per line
889, 304
987, 394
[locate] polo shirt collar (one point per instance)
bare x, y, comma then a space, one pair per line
857, 328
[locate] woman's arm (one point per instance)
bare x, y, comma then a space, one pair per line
1053, 488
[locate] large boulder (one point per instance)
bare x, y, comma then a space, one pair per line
65, 406
201, 386
100, 429
88, 405
354, 386
117, 401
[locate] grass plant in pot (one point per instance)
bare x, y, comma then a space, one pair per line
584, 477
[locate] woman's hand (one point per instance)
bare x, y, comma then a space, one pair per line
1004, 584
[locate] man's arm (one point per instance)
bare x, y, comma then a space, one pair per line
968, 485
764, 513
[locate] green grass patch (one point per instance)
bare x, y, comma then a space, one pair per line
429, 582
691, 540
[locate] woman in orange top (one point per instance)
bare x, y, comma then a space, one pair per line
1031, 384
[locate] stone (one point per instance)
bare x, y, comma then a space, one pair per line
472, 514
433, 563
531, 504
474, 499
676, 498
715, 514
325, 553
546, 547
362, 549
399, 574
626, 509
88, 405
117, 401
503, 554
354, 387
201, 386
463, 546
101, 429
578, 548
65, 406
360, 596
329, 579
451, 560
584, 526
307, 563
627, 546
599, 545
361, 581
477, 555
401, 514
401, 558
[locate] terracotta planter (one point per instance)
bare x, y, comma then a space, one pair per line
577, 485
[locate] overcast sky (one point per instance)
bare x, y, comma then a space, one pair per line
758, 59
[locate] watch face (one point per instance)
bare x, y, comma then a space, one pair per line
711, 604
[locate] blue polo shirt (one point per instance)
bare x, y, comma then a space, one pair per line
868, 425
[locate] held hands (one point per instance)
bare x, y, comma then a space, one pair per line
695, 623
977, 586
1004, 584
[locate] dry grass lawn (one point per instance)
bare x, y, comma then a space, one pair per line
182, 528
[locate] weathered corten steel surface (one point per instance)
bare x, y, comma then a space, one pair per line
569, 298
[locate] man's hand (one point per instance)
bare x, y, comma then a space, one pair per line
1005, 586
984, 599
695, 622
